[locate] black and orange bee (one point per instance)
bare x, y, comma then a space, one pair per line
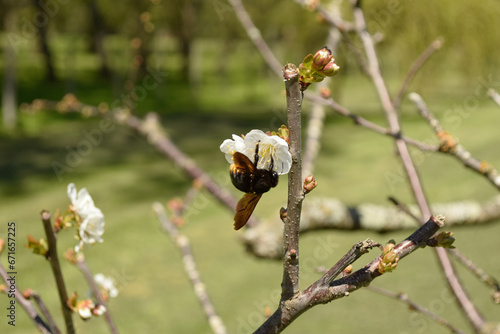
254, 182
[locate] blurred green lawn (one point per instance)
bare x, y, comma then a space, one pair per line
125, 175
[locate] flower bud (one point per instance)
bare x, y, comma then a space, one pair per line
283, 213
70, 256
37, 247
447, 143
99, 310
27, 293
496, 297
348, 270
309, 184
330, 69
325, 92
284, 133
389, 260
2, 245
84, 308
72, 300
321, 58
445, 239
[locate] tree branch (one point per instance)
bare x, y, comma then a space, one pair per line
28, 307
450, 146
472, 314
322, 291
182, 242
494, 96
45, 311
290, 284
254, 34
414, 306
56, 270
480, 273
151, 128
266, 239
419, 62
82, 266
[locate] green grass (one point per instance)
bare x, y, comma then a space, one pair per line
125, 175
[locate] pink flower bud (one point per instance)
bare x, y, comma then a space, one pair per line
321, 58
309, 184
330, 69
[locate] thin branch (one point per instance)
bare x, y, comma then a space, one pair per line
254, 34
419, 62
416, 307
182, 242
468, 308
45, 311
321, 213
405, 208
349, 258
151, 128
450, 146
322, 291
391, 114
26, 305
290, 284
480, 273
332, 16
56, 270
358, 120
494, 96
82, 265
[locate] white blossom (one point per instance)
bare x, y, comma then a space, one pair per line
91, 228
107, 284
85, 308
269, 146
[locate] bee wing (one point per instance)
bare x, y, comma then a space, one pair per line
240, 160
244, 209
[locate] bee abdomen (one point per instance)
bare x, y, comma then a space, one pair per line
241, 180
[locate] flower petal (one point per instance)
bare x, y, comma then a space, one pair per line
72, 192
272, 149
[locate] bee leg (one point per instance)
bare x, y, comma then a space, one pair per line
256, 156
271, 166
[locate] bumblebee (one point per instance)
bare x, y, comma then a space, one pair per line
252, 181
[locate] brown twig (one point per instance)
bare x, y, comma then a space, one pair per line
82, 266
358, 120
320, 213
391, 114
480, 273
290, 284
494, 96
404, 208
468, 308
415, 67
27, 306
333, 18
56, 270
323, 291
349, 258
151, 128
182, 242
254, 34
45, 311
450, 146
416, 307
